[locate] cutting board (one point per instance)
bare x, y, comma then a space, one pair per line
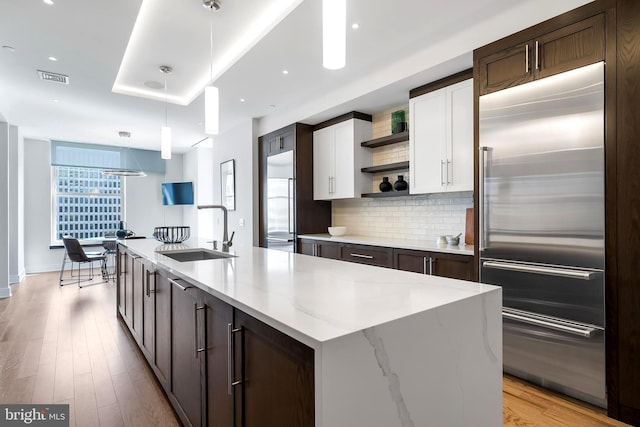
468, 229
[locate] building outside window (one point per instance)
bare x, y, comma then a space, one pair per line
86, 204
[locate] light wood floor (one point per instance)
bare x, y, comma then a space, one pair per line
65, 345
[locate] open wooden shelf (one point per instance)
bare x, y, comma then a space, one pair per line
387, 194
386, 140
386, 168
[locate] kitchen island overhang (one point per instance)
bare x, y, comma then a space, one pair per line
390, 347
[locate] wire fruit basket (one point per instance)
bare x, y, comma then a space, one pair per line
172, 234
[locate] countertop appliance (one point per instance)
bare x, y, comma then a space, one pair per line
281, 227
541, 218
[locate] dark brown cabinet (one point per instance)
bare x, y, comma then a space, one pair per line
218, 323
276, 377
149, 310
364, 254
440, 264
162, 326
219, 366
307, 215
567, 48
185, 352
318, 248
137, 288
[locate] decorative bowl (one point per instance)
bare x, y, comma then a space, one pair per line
337, 231
172, 234
453, 240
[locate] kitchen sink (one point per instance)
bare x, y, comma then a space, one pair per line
197, 254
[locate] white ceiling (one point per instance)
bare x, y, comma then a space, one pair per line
400, 44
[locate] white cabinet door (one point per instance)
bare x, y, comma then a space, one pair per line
460, 140
322, 164
427, 141
343, 180
441, 140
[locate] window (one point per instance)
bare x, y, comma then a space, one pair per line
78, 194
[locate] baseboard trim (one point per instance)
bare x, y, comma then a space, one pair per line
5, 292
17, 278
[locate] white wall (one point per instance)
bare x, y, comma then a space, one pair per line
143, 200
240, 144
143, 209
5, 290
16, 205
197, 166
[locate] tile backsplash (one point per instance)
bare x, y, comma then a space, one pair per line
418, 218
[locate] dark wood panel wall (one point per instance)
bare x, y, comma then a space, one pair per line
625, 404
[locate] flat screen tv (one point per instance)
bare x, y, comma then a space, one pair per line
177, 193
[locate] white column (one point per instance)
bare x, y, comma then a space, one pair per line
16, 206
5, 290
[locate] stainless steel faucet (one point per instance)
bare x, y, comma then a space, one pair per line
226, 241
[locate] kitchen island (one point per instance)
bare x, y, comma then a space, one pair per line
386, 347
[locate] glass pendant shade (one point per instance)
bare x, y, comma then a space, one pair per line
334, 34
165, 142
211, 110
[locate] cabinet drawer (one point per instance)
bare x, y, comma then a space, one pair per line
371, 255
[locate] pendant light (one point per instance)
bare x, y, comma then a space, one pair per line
211, 99
334, 34
165, 131
127, 156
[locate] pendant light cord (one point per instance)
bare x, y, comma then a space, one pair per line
165, 99
211, 52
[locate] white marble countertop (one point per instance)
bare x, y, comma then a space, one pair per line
312, 299
394, 243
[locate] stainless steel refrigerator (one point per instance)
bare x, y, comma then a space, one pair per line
280, 202
541, 234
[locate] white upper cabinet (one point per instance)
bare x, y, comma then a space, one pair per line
441, 140
338, 158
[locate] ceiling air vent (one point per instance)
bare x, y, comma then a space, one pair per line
53, 77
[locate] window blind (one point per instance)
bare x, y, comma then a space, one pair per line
64, 153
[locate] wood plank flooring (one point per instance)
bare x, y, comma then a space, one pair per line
65, 345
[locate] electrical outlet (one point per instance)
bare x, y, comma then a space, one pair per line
241, 222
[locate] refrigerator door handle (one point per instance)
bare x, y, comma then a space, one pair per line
574, 328
481, 173
289, 216
549, 271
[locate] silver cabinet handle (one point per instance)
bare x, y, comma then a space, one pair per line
195, 328
537, 63
548, 271
314, 249
231, 358
184, 288
431, 261
361, 256
575, 328
149, 291
441, 170
449, 181
526, 58
290, 227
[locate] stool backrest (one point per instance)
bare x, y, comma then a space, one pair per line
74, 250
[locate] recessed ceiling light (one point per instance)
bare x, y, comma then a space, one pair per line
355, 25
285, 72
49, 2
9, 48
154, 84
241, 99
53, 58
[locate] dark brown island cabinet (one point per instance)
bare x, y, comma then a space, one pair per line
609, 31
218, 365
454, 266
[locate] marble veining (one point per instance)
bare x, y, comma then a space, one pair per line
382, 357
485, 331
